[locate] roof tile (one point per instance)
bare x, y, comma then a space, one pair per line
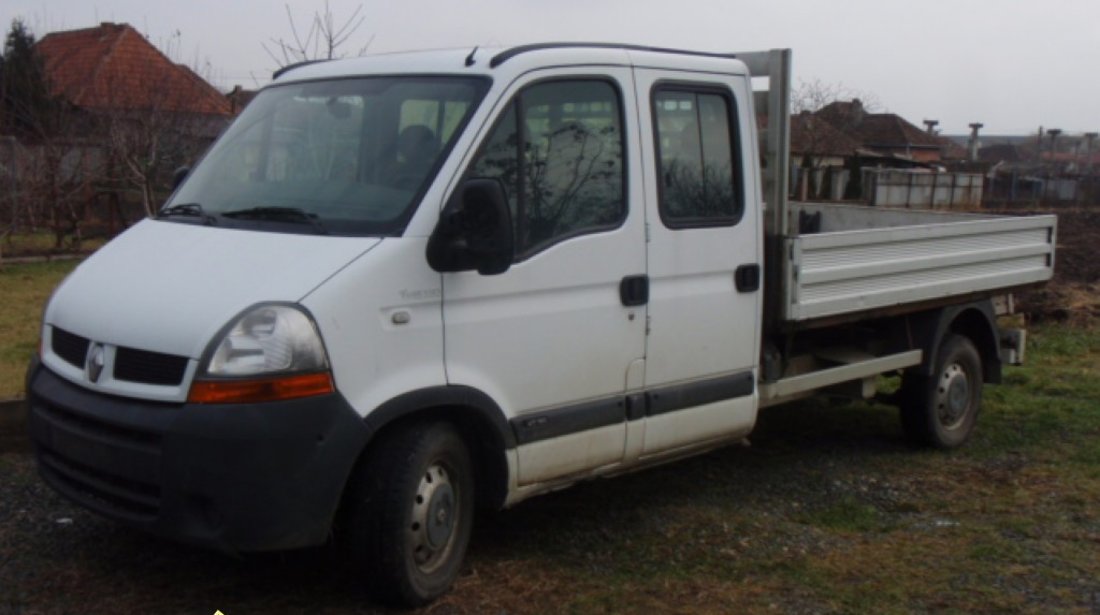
113, 66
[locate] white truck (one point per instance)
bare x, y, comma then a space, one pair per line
402, 287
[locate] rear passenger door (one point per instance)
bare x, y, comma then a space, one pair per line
552, 340
704, 258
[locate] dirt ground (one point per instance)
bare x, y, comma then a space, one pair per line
1074, 295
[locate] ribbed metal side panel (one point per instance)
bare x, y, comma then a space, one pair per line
850, 271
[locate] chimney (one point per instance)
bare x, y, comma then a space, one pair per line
931, 124
974, 143
1054, 132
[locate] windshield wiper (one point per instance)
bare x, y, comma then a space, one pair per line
293, 215
188, 210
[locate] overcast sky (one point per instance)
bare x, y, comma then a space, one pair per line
1012, 64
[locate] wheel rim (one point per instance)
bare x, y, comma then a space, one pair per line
435, 515
953, 397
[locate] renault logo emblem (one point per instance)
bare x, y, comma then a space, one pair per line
95, 363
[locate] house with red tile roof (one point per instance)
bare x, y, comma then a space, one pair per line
134, 113
112, 67
888, 134
836, 148
816, 141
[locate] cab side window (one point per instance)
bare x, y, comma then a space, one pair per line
558, 150
698, 168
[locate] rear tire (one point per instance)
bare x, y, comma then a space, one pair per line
942, 411
409, 511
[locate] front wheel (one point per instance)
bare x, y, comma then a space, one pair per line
409, 513
941, 411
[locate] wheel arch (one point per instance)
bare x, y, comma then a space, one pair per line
976, 321
478, 419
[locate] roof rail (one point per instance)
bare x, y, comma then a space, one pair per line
508, 54
289, 67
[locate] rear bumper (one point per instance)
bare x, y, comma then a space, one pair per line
233, 477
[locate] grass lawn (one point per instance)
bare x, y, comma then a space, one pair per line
43, 242
24, 290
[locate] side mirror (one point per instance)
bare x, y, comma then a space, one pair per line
474, 230
179, 175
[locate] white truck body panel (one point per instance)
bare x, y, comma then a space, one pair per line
128, 295
382, 323
693, 301
839, 272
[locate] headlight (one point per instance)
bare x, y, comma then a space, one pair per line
271, 353
268, 339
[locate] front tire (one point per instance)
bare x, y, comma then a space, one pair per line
942, 411
409, 513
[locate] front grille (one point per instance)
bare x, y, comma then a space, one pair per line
106, 467
69, 346
149, 367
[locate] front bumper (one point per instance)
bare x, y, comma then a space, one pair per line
235, 477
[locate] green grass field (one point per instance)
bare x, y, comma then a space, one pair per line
24, 290
40, 243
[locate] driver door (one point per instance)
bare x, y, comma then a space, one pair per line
554, 340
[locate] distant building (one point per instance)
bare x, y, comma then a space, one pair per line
113, 68
816, 143
888, 134
136, 116
841, 151
1031, 169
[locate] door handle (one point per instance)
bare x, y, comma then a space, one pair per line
747, 278
634, 290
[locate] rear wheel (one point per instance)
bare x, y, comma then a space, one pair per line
941, 411
409, 513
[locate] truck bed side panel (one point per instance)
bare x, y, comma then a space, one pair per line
850, 271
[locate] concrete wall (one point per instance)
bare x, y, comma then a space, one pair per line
904, 188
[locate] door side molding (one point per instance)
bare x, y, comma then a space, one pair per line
683, 396
586, 416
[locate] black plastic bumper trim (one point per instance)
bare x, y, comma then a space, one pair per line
242, 477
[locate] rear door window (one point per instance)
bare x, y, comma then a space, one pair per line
697, 162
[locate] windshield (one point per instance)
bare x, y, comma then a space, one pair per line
345, 157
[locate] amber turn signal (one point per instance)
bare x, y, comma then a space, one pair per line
260, 390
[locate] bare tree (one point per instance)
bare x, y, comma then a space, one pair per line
825, 116
819, 112
149, 140
814, 94
322, 40
52, 161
